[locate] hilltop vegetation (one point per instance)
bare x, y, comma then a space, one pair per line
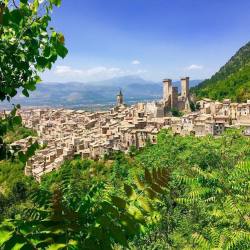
15, 187
231, 81
183, 193
18, 132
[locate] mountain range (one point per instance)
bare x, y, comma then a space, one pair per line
102, 93
231, 81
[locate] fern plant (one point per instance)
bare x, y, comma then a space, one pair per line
220, 198
65, 219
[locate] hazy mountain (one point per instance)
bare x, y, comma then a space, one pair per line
231, 81
104, 92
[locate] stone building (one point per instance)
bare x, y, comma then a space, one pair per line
171, 99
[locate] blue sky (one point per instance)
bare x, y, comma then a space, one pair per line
153, 39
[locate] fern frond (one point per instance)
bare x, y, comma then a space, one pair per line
201, 241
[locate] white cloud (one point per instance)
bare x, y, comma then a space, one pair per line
135, 62
64, 70
93, 74
88, 74
194, 67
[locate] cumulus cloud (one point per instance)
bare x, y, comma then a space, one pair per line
93, 74
194, 67
135, 62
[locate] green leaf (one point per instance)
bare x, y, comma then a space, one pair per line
136, 213
157, 188
5, 236
118, 202
61, 50
151, 193
41, 62
61, 38
129, 224
140, 185
30, 86
145, 204
109, 208
118, 235
38, 79
148, 177
47, 51
20, 246
56, 2
57, 247
16, 16
129, 191
25, 92
35, 6
14, 242
104, 221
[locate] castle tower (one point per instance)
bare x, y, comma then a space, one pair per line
167, 86
119, 99
174, 97
185, 87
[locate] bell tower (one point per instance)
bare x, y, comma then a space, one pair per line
119, 98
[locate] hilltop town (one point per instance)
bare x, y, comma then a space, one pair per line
64, 133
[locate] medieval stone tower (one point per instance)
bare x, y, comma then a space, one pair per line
167, 86
174, 97
119, 99
171, 99
185, 87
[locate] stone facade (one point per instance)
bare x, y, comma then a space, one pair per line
171, 99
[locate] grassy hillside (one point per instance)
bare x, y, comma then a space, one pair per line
231, 81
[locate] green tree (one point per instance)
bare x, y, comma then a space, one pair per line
176, 112
133, 151
231, 81
28, 46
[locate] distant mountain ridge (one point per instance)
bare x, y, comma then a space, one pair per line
76, 94
231, 81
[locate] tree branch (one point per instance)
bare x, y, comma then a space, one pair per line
2, 7
15, 4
